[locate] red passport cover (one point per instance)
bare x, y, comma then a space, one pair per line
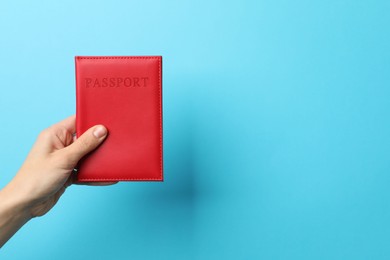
124, 94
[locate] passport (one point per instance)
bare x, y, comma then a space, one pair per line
123, 93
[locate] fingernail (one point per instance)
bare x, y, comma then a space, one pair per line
100, 131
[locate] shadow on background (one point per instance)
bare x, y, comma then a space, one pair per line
163, 213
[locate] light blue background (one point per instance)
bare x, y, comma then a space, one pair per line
276, 128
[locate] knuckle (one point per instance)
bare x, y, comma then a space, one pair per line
62, 134
45, 133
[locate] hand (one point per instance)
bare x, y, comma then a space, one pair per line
46, 173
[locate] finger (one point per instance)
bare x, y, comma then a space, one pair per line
100, 183
69, 123
86, 143
53, 138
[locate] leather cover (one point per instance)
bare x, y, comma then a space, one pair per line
124, 94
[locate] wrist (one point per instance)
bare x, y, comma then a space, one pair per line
14, 201
13, 214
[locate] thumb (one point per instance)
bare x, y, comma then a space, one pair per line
85, 143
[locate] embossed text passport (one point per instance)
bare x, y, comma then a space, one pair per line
124, 94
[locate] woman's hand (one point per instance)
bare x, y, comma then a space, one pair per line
45, 174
